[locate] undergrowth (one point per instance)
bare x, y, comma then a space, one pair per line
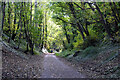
22, 46
91, 51
104, 55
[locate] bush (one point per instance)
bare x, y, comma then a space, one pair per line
57, 54
65, 53
89, 41
36, 52
69, 46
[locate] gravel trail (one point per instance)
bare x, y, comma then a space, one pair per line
54, 68
43, 66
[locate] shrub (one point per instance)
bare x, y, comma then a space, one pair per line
65, 53
69, 46
36, 52
90, 41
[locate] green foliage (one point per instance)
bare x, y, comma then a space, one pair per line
90, 41
61, 25
69, 46
37, 52
65, 53
22, 23
78, 41
90, 51
55, 35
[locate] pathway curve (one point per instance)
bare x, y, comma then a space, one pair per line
54, 68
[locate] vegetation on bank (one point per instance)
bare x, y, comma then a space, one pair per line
79, 30
61, 25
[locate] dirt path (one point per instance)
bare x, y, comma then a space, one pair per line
43, 66
54, 68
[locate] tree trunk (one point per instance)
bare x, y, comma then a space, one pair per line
13, 33
67, 36
45, 29
107, 28
64, 45
3, 10
9, 12
9, 31
26, 32
40, 37
35, 23
32, 46
43, 37
74, 15
113, 12
86, 28
20, 21
27, 48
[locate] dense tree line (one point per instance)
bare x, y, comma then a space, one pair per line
83, 24
86, 23
24, 21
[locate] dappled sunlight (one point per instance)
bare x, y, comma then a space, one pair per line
85, 36
55, 35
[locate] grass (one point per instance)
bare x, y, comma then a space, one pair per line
65, 53
36, 52
91, 51
84, 53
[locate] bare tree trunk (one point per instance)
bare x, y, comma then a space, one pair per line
9, 12
26, 32
40, 37
9, 31
107, 28
74, 15
35, 11
3, 10
13, 33
20, 21
86, 28
46, 29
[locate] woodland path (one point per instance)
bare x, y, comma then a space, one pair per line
54, 68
